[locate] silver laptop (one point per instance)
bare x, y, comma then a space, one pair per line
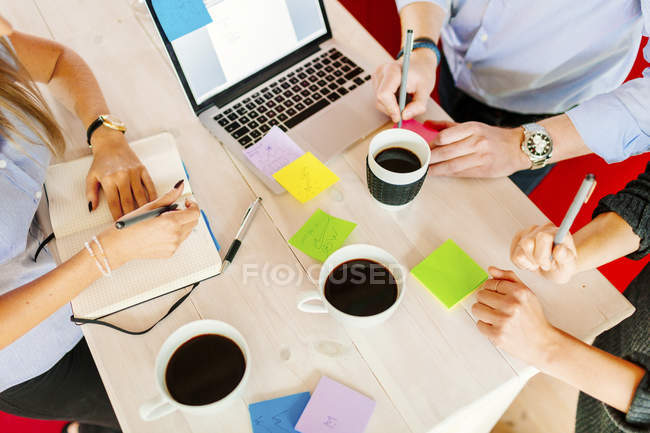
264, 63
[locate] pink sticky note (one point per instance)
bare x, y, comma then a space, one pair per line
335, 408
273, 152
418, 128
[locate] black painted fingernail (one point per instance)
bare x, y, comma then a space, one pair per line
179, 183
90, 206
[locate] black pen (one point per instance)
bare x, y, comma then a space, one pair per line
234, 247
145, 216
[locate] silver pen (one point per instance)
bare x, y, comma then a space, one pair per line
408, 47
236, 243
583, 194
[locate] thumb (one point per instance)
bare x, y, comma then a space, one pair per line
92, 192
501, 274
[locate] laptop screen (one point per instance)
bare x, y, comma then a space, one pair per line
234, 39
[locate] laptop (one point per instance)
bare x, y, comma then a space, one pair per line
249, 65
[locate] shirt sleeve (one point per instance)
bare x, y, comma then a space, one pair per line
444, 4
616, 125
633, 205
637, 419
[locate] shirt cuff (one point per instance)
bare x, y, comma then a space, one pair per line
444, 4
608, 128
637, 418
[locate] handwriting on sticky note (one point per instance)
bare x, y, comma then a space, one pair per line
419, 128
449, 273
321, 235
279, 415
335, 408
306, 177
273, 152
180, 17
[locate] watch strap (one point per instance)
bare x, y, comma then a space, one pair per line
95, 125
423, 43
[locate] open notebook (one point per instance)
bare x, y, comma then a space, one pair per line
140, 280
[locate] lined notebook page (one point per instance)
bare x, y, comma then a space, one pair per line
140, 280
66, 184
196, 259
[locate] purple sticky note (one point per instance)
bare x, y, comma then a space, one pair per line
273, 152
335, 408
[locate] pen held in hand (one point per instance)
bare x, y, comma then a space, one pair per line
583, 194
144, 216
408, 47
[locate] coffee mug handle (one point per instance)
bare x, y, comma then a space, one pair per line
306, 307
155, 408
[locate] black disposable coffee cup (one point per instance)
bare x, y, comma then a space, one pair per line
392, 189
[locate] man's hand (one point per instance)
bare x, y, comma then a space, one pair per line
474, 149
420, 82
116, 168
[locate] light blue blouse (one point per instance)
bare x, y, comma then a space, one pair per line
22, 174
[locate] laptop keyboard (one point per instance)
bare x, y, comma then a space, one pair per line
292, 97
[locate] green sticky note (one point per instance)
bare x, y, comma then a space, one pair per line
321, 235
449, 273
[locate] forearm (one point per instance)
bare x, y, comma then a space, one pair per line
567, 142
25, 307
606, 238
602, 375
424, 18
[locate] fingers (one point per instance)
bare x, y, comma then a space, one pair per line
418, 105
487, 329
113, 199
463, 147
139, 192
456, 166
501, 274
388, 81
492, 299
148, 185
126, 195
92, 191
456, 133
190, 215
521, 250
487, 314
543, 249
169, 197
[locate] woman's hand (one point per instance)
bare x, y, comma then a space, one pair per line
532, 249
116, 168
420, 82
157, 237
512, 318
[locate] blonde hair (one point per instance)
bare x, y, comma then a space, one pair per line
20, 97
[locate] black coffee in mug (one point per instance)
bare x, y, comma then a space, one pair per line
204, 369
398, 160
361, 287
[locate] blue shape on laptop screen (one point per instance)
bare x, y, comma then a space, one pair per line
180, 17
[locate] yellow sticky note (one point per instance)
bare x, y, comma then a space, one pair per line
306, 177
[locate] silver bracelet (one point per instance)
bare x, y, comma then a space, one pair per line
106, 271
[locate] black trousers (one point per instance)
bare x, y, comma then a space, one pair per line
70, 390
463, 108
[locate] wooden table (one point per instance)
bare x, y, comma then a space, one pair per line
429, 369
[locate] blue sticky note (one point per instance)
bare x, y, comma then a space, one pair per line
180, 17
279, 415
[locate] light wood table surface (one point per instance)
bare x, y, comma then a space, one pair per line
429, 369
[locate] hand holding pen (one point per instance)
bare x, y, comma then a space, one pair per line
550, 250
152, 236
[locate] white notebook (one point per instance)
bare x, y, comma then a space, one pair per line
140, 280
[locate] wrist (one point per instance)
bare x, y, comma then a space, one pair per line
106, 138
111, 242
426, 56
515, 138
554, 345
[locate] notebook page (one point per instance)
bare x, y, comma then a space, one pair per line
140, 280
66, 184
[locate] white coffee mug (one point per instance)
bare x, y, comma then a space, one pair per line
165, 404
351, 252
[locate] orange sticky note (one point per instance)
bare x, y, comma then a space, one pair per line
305, 177
419, 128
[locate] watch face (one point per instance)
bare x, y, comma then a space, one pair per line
112, 120
539, 144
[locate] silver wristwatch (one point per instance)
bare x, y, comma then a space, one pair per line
537, 145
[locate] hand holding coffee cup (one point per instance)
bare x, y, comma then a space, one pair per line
397, 163
201, 368
361, 285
